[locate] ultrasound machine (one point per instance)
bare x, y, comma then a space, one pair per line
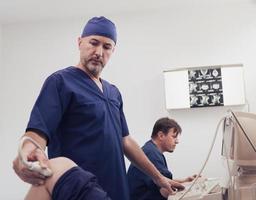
239, 154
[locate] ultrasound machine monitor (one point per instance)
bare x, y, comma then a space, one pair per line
240, 139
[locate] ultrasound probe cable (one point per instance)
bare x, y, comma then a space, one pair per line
35, 165
206, 160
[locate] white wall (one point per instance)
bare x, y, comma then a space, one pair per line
31, 52
1, 111
0, 48
148, 43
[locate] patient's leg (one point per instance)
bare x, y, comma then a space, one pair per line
38, 192
58, 166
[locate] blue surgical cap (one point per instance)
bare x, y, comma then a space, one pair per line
100, 26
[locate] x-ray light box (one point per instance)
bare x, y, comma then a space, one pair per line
219, 85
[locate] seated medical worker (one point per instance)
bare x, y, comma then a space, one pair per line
68, 182
164, 138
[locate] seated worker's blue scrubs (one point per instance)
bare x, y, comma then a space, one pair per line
142, 186
84, 124
77, 184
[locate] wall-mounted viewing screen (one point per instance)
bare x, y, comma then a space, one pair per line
221, 85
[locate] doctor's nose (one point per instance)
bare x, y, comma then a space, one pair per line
99, 51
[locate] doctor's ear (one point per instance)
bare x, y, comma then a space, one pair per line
79, 40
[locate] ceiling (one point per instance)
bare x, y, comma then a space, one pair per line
15, 11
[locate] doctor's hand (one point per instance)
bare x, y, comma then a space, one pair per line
165, 193
30, 153
168, 186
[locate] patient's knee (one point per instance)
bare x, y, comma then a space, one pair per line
60, 164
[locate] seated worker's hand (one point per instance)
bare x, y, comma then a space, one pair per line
30, 153
168, 186
190, 178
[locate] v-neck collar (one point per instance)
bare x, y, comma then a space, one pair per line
103, 92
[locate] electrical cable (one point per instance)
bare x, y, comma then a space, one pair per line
206, 160
230, 180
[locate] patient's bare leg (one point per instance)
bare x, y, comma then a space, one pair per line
58, 166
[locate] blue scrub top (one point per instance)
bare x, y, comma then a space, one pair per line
84, 124
142, 186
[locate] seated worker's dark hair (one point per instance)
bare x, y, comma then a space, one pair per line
164, 125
